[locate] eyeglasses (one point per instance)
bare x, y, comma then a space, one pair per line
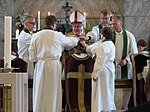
33, 23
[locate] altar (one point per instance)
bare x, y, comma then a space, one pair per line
19, 90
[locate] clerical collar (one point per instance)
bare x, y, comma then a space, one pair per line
107, 40
47, 27
119, 32
26, 30
100, 26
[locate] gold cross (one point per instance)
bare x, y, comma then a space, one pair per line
80, 75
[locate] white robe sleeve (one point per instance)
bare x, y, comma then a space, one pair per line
68, 42
100, 61
32, 55
26, 38
23, 43
91, 49
94, 34
132, 47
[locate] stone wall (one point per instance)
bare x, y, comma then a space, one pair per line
6, 9
136, 12
137, 18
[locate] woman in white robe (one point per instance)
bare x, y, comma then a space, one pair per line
46, 49
103, 75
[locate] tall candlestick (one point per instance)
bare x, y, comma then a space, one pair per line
84, 19
17, 33
49, 13
38, 20
7, 41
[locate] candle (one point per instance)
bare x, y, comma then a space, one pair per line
38, 20
7, 41
49, 13
84, 19
17, 33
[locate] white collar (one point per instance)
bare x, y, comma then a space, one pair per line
119, 32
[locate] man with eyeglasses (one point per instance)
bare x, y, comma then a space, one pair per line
24, 39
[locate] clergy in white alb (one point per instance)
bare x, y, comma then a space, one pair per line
95, 34
46, 49
23, 44
125, 44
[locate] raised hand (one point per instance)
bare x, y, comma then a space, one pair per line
83, 38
